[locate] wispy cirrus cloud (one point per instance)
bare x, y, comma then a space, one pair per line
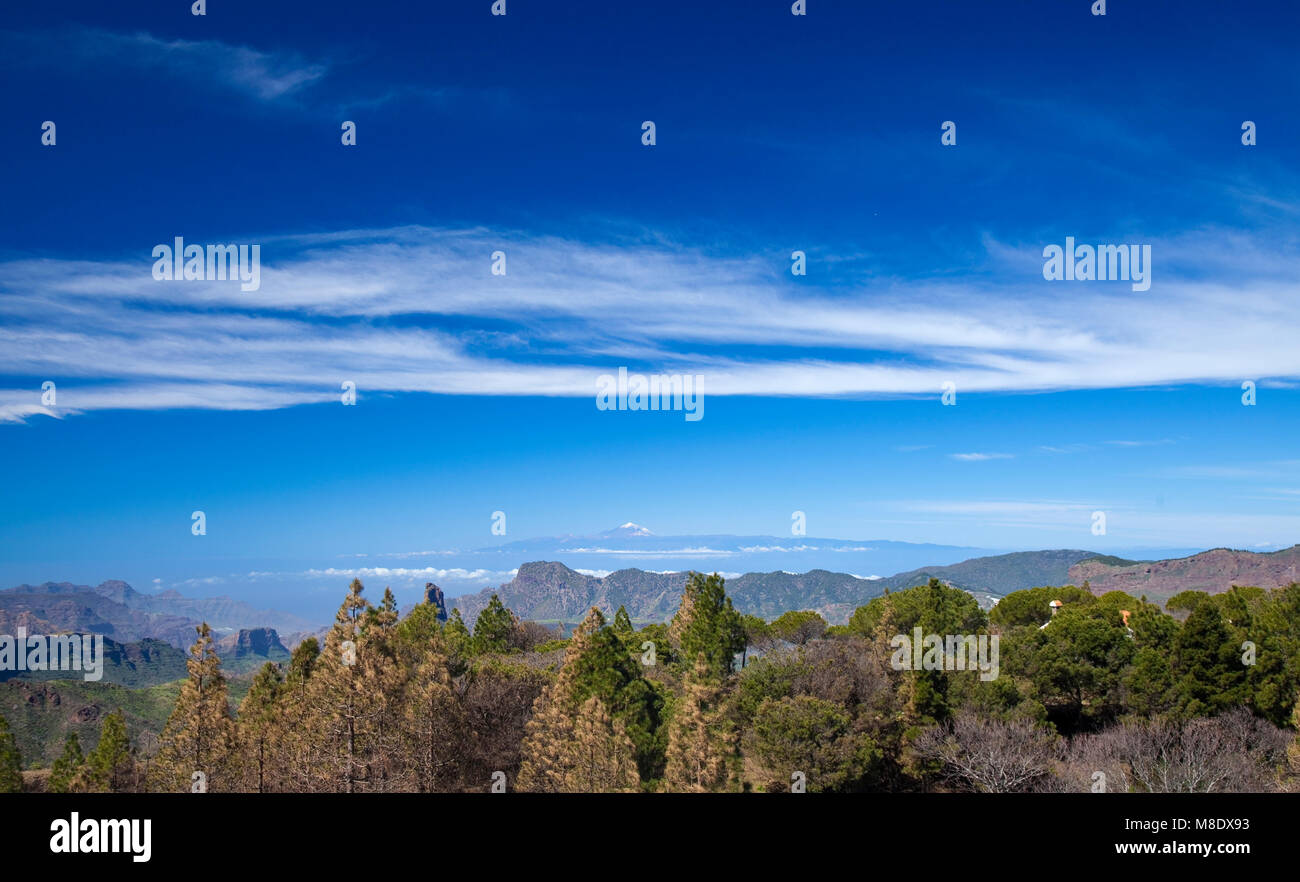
264, 75
416, 309
1160, 443
283, 78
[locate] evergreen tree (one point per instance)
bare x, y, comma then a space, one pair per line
574, 743
701, 744
580, 750
67, 766
290, 744
706, 623
387, 675
603, 756
934, 606
434, 722
415, 632
11, 762
199, 735
1209, 673
1030, 606
1077, 662
256, 730
458, 638
923, 695
495, 629
385, 615
601, 665
109, 767
338, 706
798, 626
1275, 677
817, 737
1148, 683
623, 622
351, 700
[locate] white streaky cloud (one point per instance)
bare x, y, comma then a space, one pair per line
724, 575
457, 573
648, 553
265, 75
1041, 515
1259, 470
1127, 523
400, 555
194, 582
995, 507
979, 457
570, 311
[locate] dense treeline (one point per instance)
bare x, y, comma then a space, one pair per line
1091, 693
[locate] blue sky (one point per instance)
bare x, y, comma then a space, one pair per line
522, 133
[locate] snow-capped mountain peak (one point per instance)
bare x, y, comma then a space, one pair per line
630, 529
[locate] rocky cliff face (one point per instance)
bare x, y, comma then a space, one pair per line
433, 594
550, 591
261, 642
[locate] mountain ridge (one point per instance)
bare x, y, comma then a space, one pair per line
550, 590
115, 609
1215, 571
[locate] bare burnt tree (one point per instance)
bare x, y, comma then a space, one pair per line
498, 701
1235, 752
990, 755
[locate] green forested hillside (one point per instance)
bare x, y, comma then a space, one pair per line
42, 713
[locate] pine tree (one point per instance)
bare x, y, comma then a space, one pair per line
414, 633
623, 622
387, 675
701, 744
255, 731
495, 628
336, 705
1207, 664
199, 735
351, 701
707, 623
291, 747
67, 766
385, 615
602, 759
434, 722
11, 761
109, 767
458, 638
573, 744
